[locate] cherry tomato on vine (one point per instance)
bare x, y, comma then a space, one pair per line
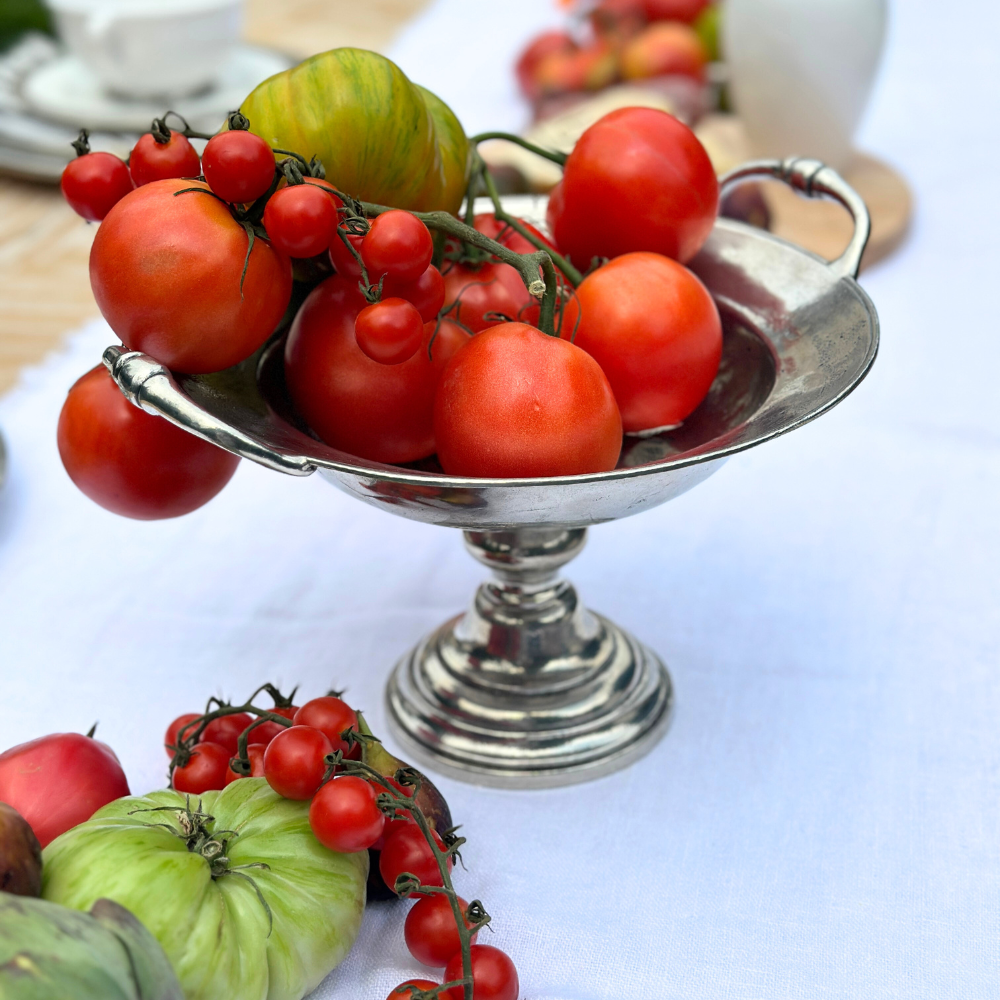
266, 731
238, 165
390, 331
131, 462
654, 329
168, 276
344, 815
652, 173
513, 402
94, 183
293, 762
255, 754
482, 293
226, 730
406, 850
152, 160
426, 293
300, 220
343, 260
493, 975
431, 932
205, 770
174, 729
331, 716
402, 993
398, 245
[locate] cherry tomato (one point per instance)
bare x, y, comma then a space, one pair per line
401, 992
300, 220
342, 259
651, 173
398, 245
132, 462
406, 850
426, 293
540, 47
389, 331
174, 730
493, 975
94, 183
151, 160
266, 731
255, 754
664, 49
482, 294
226, 730
591, 67
58, 781
514, 403
330, 716
238, 165
379, 412
167, 273
293, 762
431, 932
654, 329
205, 770
344, 815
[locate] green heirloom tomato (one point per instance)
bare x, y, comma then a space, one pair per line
380, 137
245, 901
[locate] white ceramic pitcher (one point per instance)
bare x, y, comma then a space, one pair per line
801, 72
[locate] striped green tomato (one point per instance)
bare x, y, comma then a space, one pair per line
244, 900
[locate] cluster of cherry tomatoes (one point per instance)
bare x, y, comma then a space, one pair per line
345, 816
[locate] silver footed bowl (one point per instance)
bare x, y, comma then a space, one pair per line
528, 688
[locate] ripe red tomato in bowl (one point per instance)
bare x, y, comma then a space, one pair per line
637, 179
655, 331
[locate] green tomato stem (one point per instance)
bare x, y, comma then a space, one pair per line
548, 154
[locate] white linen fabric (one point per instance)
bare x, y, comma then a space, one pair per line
823, 818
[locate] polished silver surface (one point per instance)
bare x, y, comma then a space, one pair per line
527, 688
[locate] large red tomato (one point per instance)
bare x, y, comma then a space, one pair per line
58, 781
637, 179
515, 402
132, 462
655, 331
167, 273
483, 294
379, 412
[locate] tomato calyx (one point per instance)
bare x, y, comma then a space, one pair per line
82, 143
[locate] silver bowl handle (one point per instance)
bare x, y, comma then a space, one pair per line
814, 179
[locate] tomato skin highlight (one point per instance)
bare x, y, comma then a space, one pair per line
514, 403
494, 976
166, 273
131, 462
238, 166
331, 716
293, 762
655, 330
58, 781
406, 850
651, 170
344, 815
205, 771
154, 161
431, 932
94, 183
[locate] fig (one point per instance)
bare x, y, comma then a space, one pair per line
20, 855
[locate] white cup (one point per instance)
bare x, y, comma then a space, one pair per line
801, 72
144, 49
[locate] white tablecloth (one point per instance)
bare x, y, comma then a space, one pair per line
823, 818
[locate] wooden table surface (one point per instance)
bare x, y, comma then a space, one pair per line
44, 288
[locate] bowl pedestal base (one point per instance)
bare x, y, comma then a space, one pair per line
528, 689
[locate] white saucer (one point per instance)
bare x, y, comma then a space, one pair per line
64, 90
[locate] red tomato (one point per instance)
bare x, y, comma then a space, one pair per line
58, 781
662, 49
167, 273
591, 67
390, 331
266, 731
94, 183
651, 173
426, 293
226, 730
330, 716
174, 730
398, 245
344, 815
293, 762
132, 462
379, 412
674, 10
342, 259
301, 220
205, 771
514, 402
483, 294
401, 992
238, 165
406, 850
493, 975
255, 754
654, 329
431, 932
156, 161
540, 47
